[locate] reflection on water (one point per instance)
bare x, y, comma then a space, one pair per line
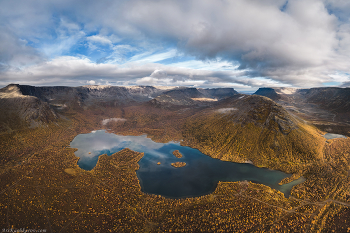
199, 177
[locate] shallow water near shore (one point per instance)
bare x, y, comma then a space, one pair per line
199, 177
333, 136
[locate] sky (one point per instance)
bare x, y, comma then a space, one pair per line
243, 44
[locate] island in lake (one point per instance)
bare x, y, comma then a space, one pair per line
177, 154
178, 164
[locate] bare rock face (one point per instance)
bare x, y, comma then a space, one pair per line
218, 93
332, 98
18, 110
268, 92
327, 104
90, 95
282, 118
192, 97
259, 110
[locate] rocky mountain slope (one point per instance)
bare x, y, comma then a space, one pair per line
36, 105
268, 92
333, 99
21, 111
255, 128
328, 108
87, 95
192, 96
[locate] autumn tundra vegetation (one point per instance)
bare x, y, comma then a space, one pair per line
177, 154
42, 187
178, 164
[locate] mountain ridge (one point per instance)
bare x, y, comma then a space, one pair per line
326, 107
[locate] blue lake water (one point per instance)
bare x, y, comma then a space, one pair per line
333, 136
199, 177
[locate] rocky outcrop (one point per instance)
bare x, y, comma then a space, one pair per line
259, 110
218, 93
330, 104
268, 92
192, 97
18, 110
330, 98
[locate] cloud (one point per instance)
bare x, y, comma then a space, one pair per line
99, 39
156, 57
75, 71
159, 73
300, 43
290, 46
259, 36
15, 52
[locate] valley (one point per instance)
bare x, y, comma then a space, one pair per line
42, 186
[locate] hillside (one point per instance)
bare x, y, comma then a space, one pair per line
254, 128
328, 108
192, 97
29, 106
19, 111
268, 92
89, 95
332, 99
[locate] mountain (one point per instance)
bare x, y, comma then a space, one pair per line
29, 106
192, 96
328, 107
268, 92
255, 128
218, 93
333, 99
87, 95
20, 111
24, 104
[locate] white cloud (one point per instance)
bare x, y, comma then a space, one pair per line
152, 58
159, 73
305, 44
99, 39
147, 81
215, 65
15, 52
74, 71
67, 36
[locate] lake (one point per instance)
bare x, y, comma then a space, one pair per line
333, 136
199, 177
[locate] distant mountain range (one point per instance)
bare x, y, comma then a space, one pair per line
30, 106
34, 106
326, 107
